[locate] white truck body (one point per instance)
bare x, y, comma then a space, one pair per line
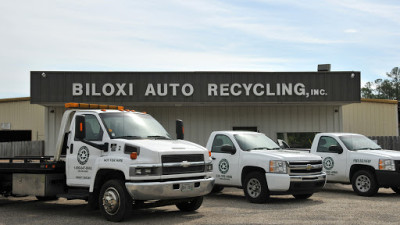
353, 158
301, 172
121, 158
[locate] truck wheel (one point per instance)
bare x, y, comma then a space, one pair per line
115, 203
364, 183
190, 205
303, 196
396, 189
46, 198
217, 189
255, 188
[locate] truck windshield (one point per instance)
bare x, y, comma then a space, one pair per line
255, 141
133, 126
359, 142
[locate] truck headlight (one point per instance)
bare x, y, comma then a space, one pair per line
144, 171
208, 167
386, 164
277, 166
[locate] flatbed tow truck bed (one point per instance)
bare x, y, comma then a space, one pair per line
31, 164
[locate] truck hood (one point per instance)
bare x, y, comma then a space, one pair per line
287, 155
390, 154
166, 145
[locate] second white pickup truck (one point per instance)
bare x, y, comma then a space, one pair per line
355, 159
252, 161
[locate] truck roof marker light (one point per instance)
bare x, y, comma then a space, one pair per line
103, 110
133, 155
144, 112
133, 110
120, 108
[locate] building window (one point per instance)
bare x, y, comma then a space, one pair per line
298, 139
246, 128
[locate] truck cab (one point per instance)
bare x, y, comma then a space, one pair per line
354, 158
255, 163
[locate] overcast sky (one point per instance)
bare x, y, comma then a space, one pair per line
203, 35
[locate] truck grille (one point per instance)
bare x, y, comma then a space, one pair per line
178, 164
305, 167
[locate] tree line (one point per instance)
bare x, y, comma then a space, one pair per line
388, 88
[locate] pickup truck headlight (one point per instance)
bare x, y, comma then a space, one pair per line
386, 164
277, 166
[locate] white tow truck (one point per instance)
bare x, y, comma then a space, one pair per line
354, 158
255, 163
115, 159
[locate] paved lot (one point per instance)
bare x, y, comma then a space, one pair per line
337, 204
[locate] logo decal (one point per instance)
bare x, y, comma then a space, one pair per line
223, 166
83, 155
328, 163
309, 167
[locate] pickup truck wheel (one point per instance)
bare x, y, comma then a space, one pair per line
190, 205
364, 183
255, 188
115, 203
396, 189
304, 196
217, 189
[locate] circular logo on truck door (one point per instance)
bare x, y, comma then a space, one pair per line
223, 166
328, 163
83, 155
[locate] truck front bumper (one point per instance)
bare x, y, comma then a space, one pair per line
388, 178
295, 184
170, 189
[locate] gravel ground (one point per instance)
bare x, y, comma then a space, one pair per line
336, 204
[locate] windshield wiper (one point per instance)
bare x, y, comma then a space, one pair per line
159, 137
260, 148
129, 137
376, 148
363, 148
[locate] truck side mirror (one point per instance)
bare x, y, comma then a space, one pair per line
179, 130
228, 149
80, 128
336, 149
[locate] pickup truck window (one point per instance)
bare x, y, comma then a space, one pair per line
359, 142
93, 128
219, 141
326, 142
256, 141
133, 126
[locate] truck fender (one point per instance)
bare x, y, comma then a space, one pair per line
356, 167
104, 175
247, 169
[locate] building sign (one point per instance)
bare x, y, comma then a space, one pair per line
192, 87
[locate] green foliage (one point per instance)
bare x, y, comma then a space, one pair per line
388, 88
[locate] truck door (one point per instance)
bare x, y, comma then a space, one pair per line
334, 163
81, 157
225, 164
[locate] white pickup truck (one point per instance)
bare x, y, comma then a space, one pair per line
116, 160
354, 158
252, 161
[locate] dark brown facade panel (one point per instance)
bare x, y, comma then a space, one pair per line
55, 87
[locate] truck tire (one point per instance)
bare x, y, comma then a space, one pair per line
396, 189
364, 183
303, 196
190, 205
115, 203
255, 187
217, 189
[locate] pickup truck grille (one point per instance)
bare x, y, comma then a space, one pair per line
178, 164
305, 167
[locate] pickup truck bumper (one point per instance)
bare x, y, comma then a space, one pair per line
170, 189
388, 178
295, 184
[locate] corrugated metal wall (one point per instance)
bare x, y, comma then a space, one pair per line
371, 118
199, 121
23, 116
